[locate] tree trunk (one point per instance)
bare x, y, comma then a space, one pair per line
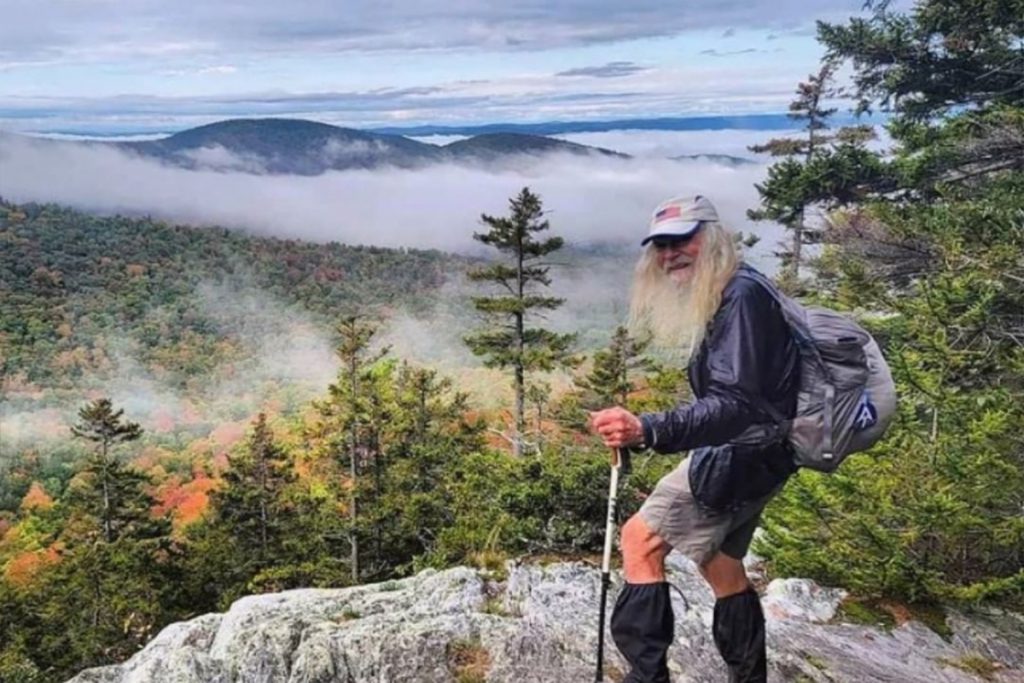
798, 241
517, 440
540, 425
263, 504
353, 472
108, 529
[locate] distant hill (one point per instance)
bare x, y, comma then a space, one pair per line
738, 122
290, 146
726, 159
285, 146
495, 146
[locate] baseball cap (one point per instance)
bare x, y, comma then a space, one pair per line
680, 217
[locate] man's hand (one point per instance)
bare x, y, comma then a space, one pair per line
617, 426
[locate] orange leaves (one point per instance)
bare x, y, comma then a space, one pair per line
184, 502
228, 434
36, 499
23, 569
191, 508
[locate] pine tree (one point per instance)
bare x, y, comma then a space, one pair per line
610, 381
117, 563
423, 437
537, 395
349, 407
103, 426
508, 341
790, 188
621, 374
951, 74
250, 502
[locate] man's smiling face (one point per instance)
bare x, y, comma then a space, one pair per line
678, 257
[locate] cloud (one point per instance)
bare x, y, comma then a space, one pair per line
218, 158
665, 144
717, 53
335, 149
590, 198
662, 91
222, 70
72, 30
439, 140
609, 70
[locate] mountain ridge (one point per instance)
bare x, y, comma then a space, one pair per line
301, 147
779, 121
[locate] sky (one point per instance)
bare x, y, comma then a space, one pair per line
115, 67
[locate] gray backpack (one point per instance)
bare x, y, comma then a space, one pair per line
846, 397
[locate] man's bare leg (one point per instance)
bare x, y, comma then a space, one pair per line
643, 552
725, 575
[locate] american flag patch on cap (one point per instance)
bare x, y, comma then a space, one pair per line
667, 213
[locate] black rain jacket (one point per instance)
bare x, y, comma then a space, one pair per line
748, 358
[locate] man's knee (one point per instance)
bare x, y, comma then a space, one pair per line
643, 552
638, 538
726, 575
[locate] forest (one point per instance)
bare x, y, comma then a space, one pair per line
117, 529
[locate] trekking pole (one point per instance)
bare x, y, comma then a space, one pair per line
620, 467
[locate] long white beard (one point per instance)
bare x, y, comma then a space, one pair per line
663, 311
674, 316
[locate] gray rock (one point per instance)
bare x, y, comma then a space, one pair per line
539, 625
801, 600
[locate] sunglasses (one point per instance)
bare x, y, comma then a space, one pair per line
661, 243
672, 241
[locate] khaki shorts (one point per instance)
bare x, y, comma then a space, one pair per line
672, 513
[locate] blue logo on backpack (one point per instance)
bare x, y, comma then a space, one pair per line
867, 414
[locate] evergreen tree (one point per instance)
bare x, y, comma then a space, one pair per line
424, 438
349, 407
621, 374
103, 426
508, 341
610, 380
538, 395
115, 581
795, 183
250, 504
951, 74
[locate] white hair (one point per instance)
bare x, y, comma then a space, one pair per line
675, 316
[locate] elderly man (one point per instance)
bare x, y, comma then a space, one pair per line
693, 295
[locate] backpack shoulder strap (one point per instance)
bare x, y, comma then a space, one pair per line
789, 307
781, 422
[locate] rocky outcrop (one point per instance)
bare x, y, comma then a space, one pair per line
538, 625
